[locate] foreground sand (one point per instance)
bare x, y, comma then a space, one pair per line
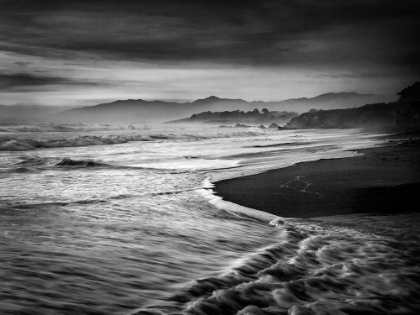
384, 181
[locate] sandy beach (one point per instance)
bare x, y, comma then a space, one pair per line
383, 181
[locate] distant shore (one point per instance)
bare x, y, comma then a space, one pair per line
385, 180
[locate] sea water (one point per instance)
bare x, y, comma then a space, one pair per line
117, 219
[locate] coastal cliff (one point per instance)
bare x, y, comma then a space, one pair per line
404, 113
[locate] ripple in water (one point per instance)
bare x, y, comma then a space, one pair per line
311, 271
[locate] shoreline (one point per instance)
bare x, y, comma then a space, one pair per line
384, 180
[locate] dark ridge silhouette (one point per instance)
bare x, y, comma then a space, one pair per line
405, 113
411, 93
140, 110
235, 117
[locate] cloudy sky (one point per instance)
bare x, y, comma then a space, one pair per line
90, 51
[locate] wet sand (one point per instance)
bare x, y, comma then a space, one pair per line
384, 182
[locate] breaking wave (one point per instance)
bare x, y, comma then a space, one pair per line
79, 127
36, 163
79, 163
32, 144
24, 144
29, 163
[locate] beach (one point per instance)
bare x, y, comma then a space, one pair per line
122, 221
383, 180
354, 221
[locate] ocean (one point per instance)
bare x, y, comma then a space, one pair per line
122, 219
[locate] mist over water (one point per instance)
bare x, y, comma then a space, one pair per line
116, 220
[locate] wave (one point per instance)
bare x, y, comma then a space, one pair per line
25, 128
28, 163
35, 163
311, 270
280, 144
80, 141
275, 152
19, 144
200, 135
42, 128
79, 163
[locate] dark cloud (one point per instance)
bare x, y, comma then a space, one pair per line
302, 33
24, 81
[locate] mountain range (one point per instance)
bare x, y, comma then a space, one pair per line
128, 111
131, 111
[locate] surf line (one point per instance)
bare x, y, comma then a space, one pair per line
208, 193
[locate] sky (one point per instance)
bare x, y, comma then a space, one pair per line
89, 51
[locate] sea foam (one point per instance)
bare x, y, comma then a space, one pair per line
311, 270
218, 202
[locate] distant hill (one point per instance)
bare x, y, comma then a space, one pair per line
410, 93
235, 117
141, 110
367, 116
27, 113
403, 113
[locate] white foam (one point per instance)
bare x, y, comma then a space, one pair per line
218, 202
317, 271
